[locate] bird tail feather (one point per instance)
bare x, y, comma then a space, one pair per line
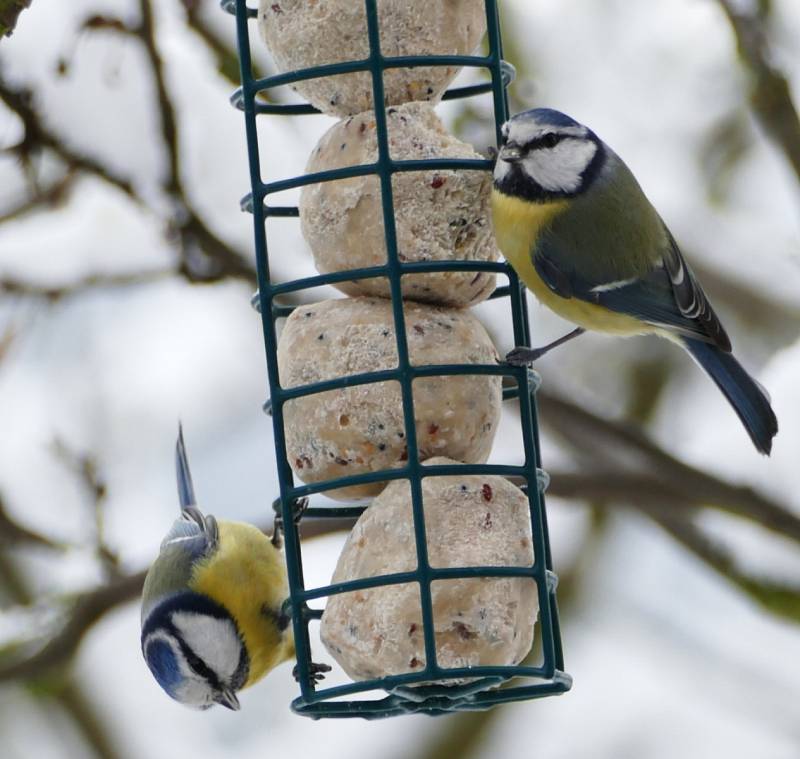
184, 475
749, 400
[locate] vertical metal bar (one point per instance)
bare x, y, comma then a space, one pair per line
285, 480
395, 280
528, 411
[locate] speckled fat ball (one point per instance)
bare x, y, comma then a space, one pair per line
305, 33
360, 429
439, 215
470, 520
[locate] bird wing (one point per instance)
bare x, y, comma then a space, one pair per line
666, 295
689, 296
195, 534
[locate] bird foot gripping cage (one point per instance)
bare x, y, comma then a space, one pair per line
411, 692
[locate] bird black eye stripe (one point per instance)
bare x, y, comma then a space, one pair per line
549, 140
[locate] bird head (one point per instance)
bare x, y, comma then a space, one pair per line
545, 155
195, 651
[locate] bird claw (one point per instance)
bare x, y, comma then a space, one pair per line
316, 672
521, 356
299, 507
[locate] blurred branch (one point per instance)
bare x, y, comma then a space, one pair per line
777, 598
55, 293
7, 340
217, 260
628, 445
770, 97
13, 534
50, 197
38, 136
775, 320
642, 490
223, 260
86, 468
64, 691
226, 56
89, 607
9, 14
169, 130
75, 701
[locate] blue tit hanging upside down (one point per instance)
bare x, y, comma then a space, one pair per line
572, 220
213, 618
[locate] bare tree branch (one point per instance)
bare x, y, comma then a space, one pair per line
13, 534
775, 597
223, 259
55, 293
52, 196
9, 15
38, 136
87, 610
770, 96
632, 448
89, 607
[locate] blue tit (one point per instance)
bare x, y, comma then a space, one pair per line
572, 220
212, 605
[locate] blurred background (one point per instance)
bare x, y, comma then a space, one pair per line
125, 276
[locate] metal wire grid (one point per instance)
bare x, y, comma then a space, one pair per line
481, 692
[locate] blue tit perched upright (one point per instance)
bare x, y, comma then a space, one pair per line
212, 605
572, 220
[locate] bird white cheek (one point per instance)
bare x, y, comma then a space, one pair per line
501, 170
560, 169
215, 641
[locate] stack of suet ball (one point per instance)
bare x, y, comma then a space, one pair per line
470, 520
360, 429
439, 216
305, 33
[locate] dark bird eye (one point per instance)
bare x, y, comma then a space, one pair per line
550, 140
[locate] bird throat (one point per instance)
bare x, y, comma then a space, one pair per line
518, 223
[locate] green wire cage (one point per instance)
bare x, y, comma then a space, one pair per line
404, 693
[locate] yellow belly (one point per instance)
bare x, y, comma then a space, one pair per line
247, 575
517, 225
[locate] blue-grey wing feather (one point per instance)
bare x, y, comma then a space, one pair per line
667, 295
689, 296
194, 533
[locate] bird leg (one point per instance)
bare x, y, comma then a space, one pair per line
316, 671
521, 356
298, 509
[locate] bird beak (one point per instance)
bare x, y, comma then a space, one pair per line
227, 698
510, 153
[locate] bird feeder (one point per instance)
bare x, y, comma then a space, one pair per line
430, 689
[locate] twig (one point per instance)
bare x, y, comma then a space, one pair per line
55, 293
13, 534
85, 467
9, 14
65, 692
777, 598
169, 129
52, 196
225, 261
91, 606
770, 98
88, 609
632, 448
227, 58
37, 136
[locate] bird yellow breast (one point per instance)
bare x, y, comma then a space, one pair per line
247, 576
517, 226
